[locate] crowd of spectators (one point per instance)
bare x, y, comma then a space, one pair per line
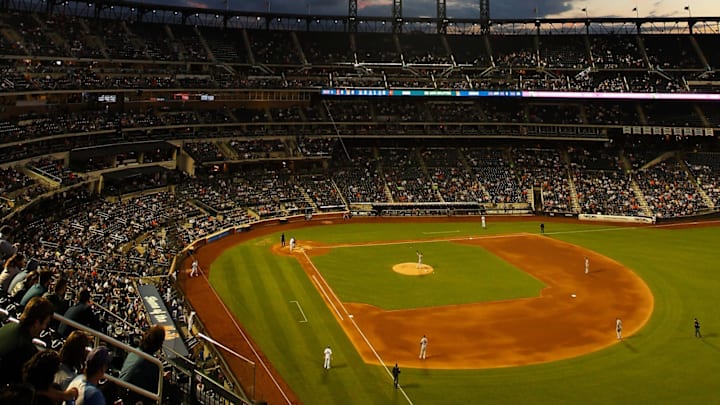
62, 130
84, 253
91, 252
669, 190
449, 176
111, 54
497, 177
358, 178
545, 169
98, 249
705, 168
602, 186
405, 176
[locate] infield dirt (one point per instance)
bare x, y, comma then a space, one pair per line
550, 327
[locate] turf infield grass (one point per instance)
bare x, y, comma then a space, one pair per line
462, 274
662, 364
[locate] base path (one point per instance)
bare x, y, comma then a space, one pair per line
518, 332
495, 334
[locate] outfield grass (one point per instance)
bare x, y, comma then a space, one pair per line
663, 363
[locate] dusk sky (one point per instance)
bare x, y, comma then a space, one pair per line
469, 8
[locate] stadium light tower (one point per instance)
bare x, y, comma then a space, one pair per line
485, 16
442, 16
397, 16
352, 15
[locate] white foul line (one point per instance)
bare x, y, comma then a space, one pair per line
227, 349
237, 327
387, 370
301, 312
328, 297
433, 233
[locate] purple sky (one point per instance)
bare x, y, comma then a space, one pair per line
469, 8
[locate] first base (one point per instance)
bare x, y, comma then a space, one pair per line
573, 295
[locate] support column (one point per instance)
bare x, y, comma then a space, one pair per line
442, 20
352, 16
485, 16
397, 16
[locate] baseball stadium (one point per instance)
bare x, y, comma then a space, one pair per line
294, 202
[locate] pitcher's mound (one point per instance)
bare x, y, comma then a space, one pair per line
412, 269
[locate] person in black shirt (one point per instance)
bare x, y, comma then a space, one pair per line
16, 339
81, 313
396, 375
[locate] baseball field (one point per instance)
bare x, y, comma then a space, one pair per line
510, 314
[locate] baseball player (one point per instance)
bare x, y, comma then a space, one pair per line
328, 357
482, 219
419, 255
696, 323
194, 269
423, 347
587, 265
396, 375
292, 244
618, 328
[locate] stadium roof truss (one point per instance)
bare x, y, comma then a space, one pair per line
140, 11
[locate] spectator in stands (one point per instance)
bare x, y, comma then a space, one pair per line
16, 339
81, 313
57, 297
22, 283
7, 249
87, 384
139, 371
72, 358
39, 371
5, 232
38, 289
16, 394
12, 267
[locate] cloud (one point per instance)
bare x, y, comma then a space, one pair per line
195, 4
499, 9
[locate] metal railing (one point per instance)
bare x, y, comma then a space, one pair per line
101, 337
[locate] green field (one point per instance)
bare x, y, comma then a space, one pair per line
663, 363
364, 274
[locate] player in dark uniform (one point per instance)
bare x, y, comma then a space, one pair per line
396, 375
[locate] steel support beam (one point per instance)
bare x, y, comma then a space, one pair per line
485, 16
442, 20
397, 22
352, 15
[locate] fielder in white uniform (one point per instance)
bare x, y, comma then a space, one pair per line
194, 269
328, 357
587, 265
482, 219
423, 347
618, 328
419, 255
292, 244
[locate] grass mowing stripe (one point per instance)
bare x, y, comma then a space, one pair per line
677, 264
230, 313
462, 274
